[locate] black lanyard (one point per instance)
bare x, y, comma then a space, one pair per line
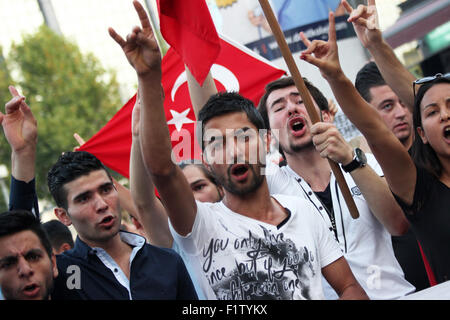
330, 214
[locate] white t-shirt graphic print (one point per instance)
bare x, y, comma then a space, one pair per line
240, 258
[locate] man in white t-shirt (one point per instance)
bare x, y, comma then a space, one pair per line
250, 245
245, 247
365, 241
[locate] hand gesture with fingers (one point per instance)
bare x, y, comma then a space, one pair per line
140, 46
323, 54
19, 124
365, 22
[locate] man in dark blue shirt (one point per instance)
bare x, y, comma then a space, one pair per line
105, 263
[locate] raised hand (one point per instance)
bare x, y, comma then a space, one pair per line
140, 46
365, 22
323, 54
19, 124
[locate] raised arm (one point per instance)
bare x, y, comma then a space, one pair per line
365, 23
150, 211
141, 50
20, 128
395, 161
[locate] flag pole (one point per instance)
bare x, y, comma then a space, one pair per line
301, 87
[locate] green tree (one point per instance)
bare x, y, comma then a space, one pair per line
67, 91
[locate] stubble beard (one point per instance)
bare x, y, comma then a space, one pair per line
234, 188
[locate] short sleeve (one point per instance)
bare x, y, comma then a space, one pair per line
373, 163
203, 227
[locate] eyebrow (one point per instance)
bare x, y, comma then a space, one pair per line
241, 130
86, 193
196, 181
213, 138
281, 99
14, 258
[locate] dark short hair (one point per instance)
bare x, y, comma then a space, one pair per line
15, 221
58, 233
423, 154
227, 102
70, 166
368, 76
285, 82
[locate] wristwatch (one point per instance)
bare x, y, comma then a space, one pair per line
359, 161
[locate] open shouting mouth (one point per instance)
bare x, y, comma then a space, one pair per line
297, 125
239, 171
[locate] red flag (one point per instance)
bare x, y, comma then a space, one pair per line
112, 144
186, 25
235, 69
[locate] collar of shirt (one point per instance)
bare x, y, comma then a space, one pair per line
134, 240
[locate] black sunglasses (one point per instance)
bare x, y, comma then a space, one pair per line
429, 79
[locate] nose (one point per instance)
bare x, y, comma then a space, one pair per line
100, 203
233, 150
444, 114
292, 107
24, 268
400, 110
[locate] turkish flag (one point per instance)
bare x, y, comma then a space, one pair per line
236, 69
186, 25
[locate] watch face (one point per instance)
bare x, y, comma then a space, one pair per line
360, 156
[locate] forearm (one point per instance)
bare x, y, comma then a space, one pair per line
156, 147
393, 71
400, 173
149, 210
353, 291
200, 94
155, 138
125, 199
380, 200
23, 164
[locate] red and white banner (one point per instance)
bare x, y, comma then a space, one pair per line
235, 69
188, 29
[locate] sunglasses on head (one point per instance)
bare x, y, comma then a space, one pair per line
429, 79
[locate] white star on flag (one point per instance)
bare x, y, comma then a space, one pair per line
178, 119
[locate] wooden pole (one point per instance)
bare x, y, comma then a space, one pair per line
304, 92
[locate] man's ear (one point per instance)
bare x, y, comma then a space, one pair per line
422, 135
326, 116
54, 266
63, 216
64, 247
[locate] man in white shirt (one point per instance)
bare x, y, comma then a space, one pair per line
365, 241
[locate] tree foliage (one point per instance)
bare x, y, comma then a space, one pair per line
67, 91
